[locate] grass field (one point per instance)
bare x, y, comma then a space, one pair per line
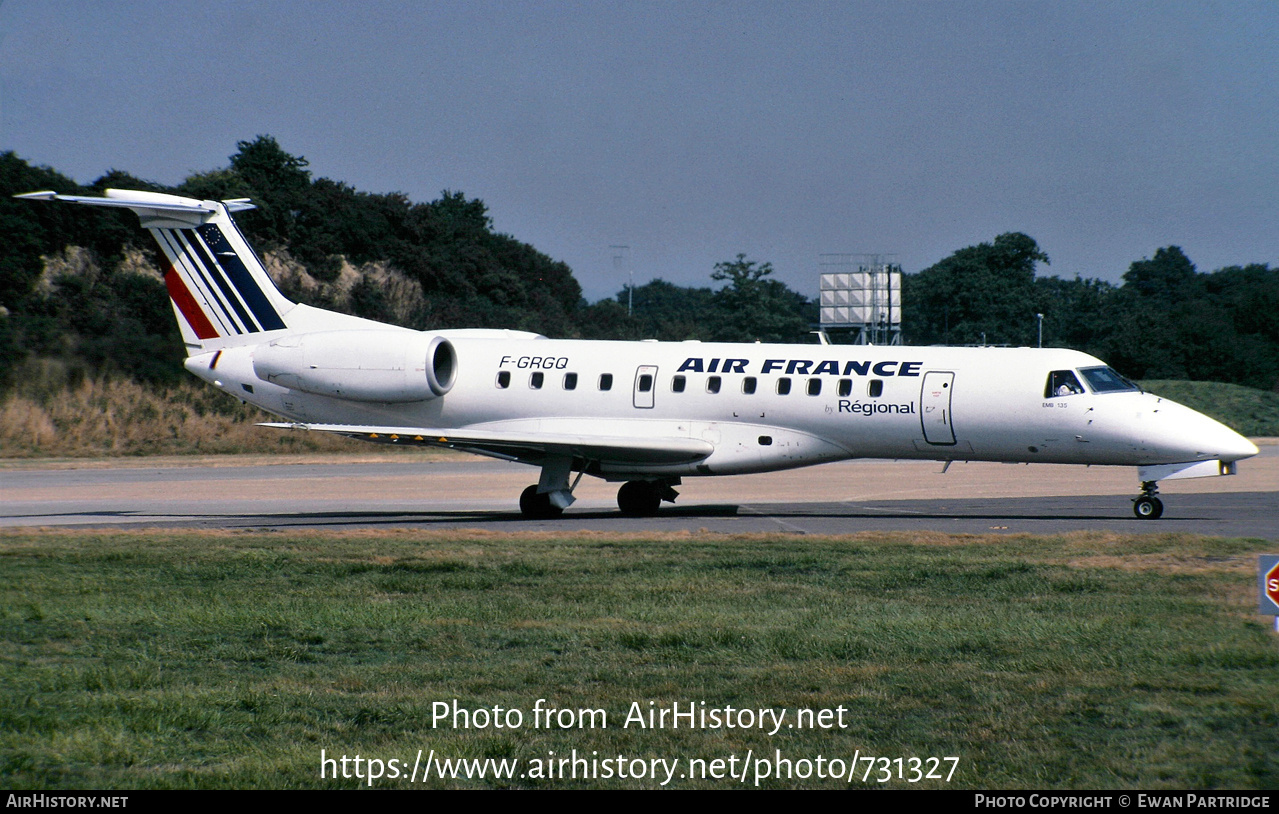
1244, 409
215, 659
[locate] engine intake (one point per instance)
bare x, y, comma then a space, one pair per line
380, 366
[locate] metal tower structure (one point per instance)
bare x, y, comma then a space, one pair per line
861, 294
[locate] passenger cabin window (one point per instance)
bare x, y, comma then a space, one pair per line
845, 387
783, 386
535, 380
646, 382
503, 379
677, 384
606, 381
1062, 383
570, 381
712, 384
1106, 380
748, 385
876, 388
814, 387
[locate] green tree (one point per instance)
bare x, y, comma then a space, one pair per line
987, 289
29, 230
279, 184
1165, 279
752, 306
1175, 322
607, 319
88, 318
1077, 313
663, 310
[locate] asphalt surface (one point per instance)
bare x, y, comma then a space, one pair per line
477, 493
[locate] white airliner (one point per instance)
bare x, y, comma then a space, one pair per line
649, 413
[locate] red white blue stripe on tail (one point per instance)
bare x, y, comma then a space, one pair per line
211, 286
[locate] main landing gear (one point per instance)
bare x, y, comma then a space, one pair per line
1147, 506
642, 498
636, 498
536, 506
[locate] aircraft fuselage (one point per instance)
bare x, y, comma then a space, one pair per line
769, 407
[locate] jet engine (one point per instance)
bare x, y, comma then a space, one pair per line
374, 365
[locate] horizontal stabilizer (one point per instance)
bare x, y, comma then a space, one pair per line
136, 199
528, 447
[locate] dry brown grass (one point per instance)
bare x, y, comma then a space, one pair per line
106, 417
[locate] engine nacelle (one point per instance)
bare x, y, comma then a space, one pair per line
382, 366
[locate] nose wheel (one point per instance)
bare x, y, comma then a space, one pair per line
1147, 506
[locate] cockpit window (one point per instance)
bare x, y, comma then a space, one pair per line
1105, 380
1062, 383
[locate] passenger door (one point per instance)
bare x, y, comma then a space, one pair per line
935, 407
645, 384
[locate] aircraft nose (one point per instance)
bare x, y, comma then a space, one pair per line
1212, 439
1183, 434
1238, 447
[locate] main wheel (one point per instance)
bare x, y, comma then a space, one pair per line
638, 498
1148, 508
536, 506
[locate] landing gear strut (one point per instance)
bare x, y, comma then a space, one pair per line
552, 493
641, 498
1148, 507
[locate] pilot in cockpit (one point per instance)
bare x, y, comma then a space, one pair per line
1063, 383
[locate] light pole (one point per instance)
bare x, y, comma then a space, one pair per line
1040, 318
619, 259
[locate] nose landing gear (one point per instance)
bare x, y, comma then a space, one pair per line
1147, 506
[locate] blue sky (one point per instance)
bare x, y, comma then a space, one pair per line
693, 131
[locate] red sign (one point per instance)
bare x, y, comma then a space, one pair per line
1272, 583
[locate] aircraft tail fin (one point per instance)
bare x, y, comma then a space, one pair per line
219, 289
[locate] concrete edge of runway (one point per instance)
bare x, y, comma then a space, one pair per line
468, 492
373, 455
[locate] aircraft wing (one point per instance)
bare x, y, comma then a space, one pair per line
527, 447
